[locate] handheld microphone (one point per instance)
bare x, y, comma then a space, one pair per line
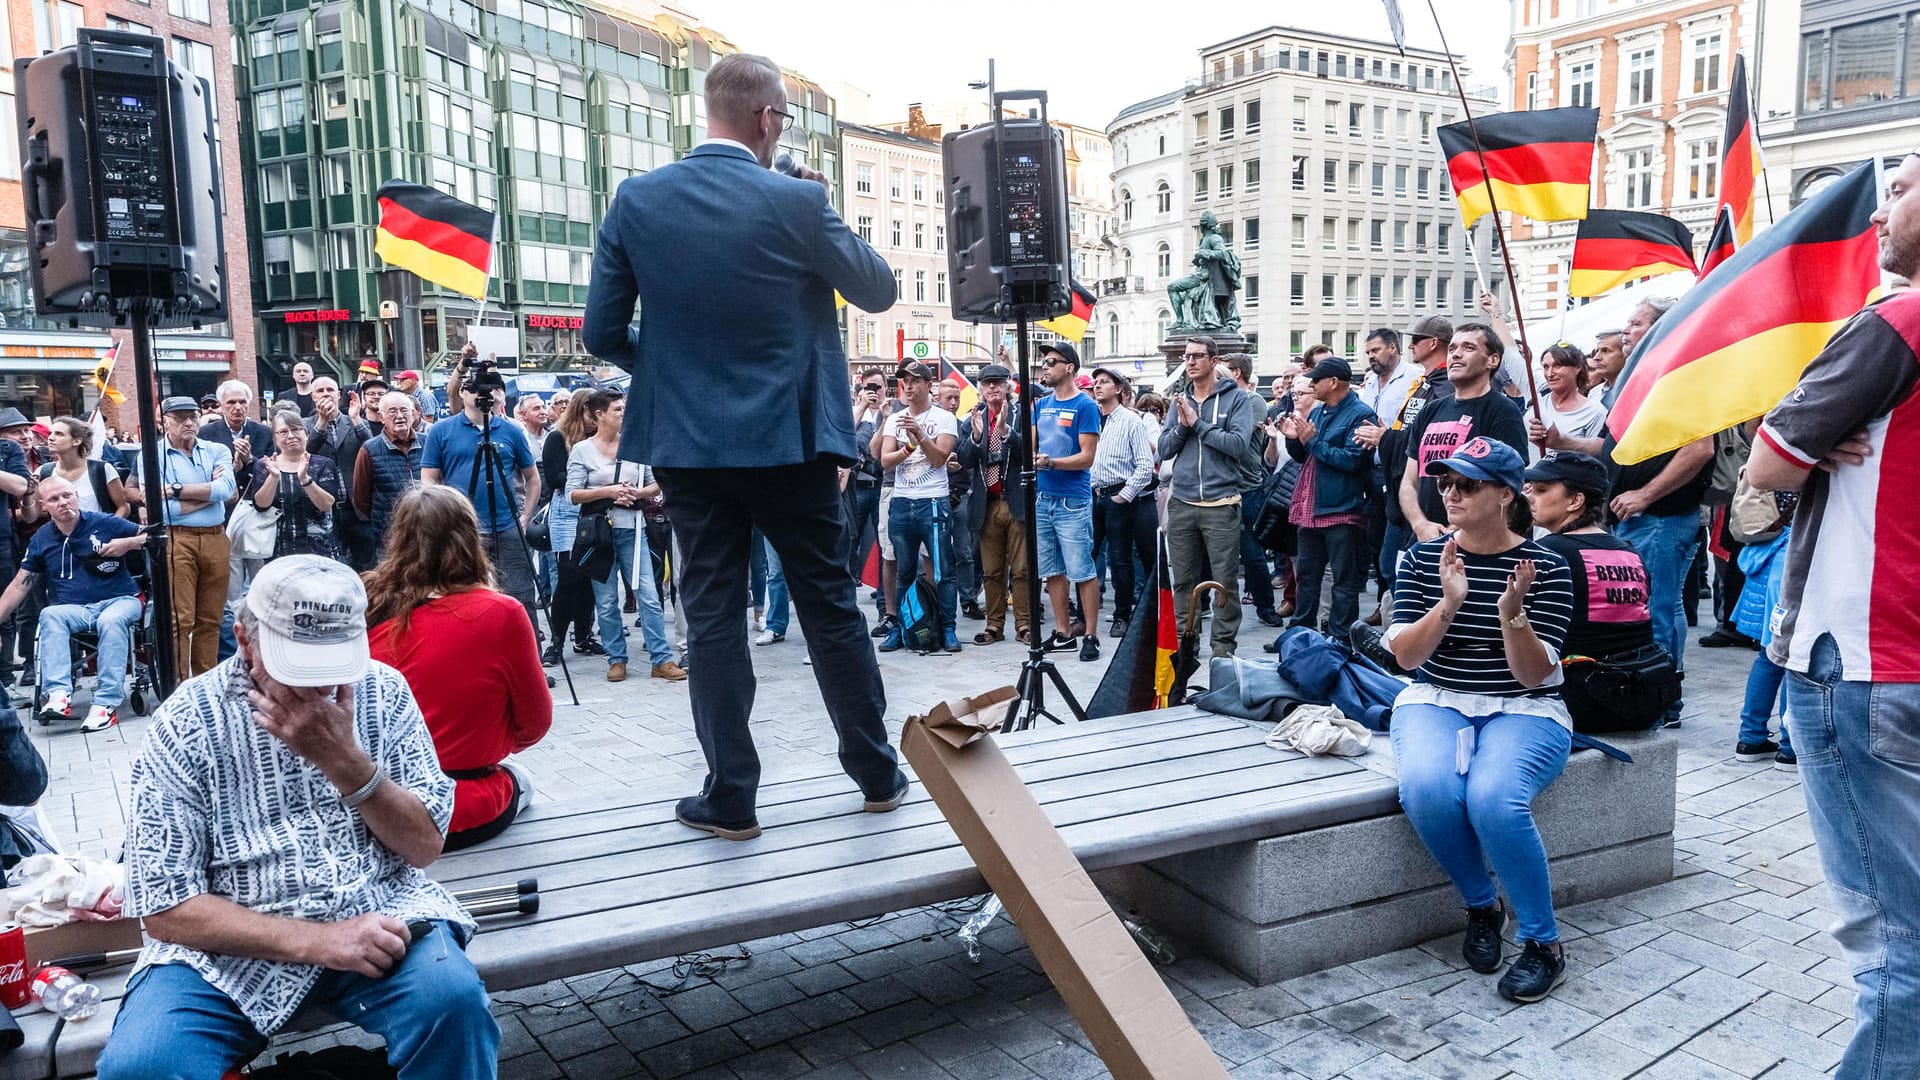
784, 165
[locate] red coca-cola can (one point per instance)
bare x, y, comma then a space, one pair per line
13, 965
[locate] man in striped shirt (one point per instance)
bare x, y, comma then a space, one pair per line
1848, 631
1124, 518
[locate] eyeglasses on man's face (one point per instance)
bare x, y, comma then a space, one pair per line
786, 118
1197, 355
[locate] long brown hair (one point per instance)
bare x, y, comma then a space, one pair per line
573, 426
433, 549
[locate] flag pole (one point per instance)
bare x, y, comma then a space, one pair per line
1493, 207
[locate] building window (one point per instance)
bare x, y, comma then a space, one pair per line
1299, 114
1379, 179
1330, 176
1637, 169
919, 187
1199, 185
1162, 324
863, 179
1226, 180
1252, 166
1863, 64
1376, 235
1399, 181
197, 10
1113, 335
1353, 290
895, 180
1199, 128
899, 286
1253, 117
939, 237
1375, 298
1250, 234
1252, 293
1703, 170
920, 286
1440, 291
1126, 206
1423, 181
1163, 198
346, 252
1813, 60
57, 24
1226, 123
1300, 172
1642, 77
864, 226
1299, 232
1328, 289
898, 232
1163, 261
940, 287
1707, 51
1399, 236
1442, 236
1580, 85
919, 236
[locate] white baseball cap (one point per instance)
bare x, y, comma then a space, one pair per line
313, 621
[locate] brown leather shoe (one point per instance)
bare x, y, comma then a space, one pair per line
669, 671
1374, 619
616, 673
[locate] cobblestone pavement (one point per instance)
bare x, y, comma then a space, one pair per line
1723, 972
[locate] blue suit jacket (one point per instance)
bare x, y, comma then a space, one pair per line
736, 357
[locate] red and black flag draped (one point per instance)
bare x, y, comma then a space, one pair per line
435, 235
1737, 342
1141, 675
1740, 168
1617, 246
1539, 163
1720, 245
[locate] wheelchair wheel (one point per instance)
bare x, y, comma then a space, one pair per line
138, 699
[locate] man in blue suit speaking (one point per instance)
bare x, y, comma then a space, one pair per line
739, 402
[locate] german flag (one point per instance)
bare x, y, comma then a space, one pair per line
1073, 325
1736, 343
1720, 246
1540, 163
1740, 147
1141, 674
1616, 246
969, 396
435, 235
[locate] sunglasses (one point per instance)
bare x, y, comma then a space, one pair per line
1463, 484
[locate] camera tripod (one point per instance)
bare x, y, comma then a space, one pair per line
486, 462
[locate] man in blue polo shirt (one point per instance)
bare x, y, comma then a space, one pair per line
81, 557
1068, 427
451, 451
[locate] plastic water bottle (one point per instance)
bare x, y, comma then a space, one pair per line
65, 994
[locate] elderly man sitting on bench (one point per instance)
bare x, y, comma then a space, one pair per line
81, 558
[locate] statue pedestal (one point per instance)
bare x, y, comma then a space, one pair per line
1225, 341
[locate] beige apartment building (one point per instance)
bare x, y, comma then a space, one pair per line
47, 371
1657, 71
893, 198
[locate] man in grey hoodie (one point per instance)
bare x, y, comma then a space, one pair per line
1204, 439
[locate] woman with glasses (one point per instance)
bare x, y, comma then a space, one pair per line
1566, 409
1479, 616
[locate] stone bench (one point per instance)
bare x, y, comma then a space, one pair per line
622, 882
1303, 900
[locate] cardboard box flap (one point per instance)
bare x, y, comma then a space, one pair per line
961, 722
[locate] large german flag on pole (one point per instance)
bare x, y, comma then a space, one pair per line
1539, 163
1616, 246
1073, 325
1740, 147
1141, 674
1736, 343
435, 235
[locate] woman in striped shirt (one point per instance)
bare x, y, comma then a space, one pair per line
1479, 615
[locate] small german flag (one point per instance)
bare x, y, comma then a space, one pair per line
1073, 325
1540, 163
435, 235
1141, 674
1616, 246
1740, 147
1720, 246
1737, 342
969, 397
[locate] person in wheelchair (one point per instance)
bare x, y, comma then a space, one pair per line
80, 558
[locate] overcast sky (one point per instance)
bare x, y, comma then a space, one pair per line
1093, 58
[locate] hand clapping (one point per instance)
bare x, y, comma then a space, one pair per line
1518, 583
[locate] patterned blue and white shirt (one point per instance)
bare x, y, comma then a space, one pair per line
222, 807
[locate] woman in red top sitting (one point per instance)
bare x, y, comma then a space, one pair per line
467, 651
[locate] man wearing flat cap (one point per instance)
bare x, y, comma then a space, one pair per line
196, 481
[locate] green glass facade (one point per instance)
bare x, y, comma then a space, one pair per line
537, 110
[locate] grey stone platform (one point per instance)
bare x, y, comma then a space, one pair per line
1302, 901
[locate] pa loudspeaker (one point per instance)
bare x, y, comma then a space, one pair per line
1007, 229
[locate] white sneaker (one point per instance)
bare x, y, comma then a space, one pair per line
757, 620
768, 637
59, 706
99, 718
524, 779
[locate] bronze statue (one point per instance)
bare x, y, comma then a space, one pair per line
1203, 300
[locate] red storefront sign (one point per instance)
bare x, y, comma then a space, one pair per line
555, 322
320, 315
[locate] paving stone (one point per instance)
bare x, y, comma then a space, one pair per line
704, 1007
1259, 1005
650, 1031
1799, 1047
1065, 1061
608, 1061
1640, 1031
1349, 1016
1331, 986
579, 1039
1402, 967
535, 1066
1705, 953
951, 1042
1237, 1045
770, 1028
900, 1062
1684, 1066
1326, 1054
821, 979
1397, 1037
1022, 1037
829, 1045
896, 1023
1590, 1057
1471, 1034
1643, 971
825, 1010
773, 1063
1734, 1055
676, 1059
1451, 1062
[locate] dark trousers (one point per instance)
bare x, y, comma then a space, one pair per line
1125, 531
924, 527
863, 523
1253, 559
1344, 549
513, 570
965, 520
798, 508
572, 602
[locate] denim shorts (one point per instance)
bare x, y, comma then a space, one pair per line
1064, 528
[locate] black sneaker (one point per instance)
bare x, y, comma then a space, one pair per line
1059, 642
1534, 975
1118, 628
1756, 751
886, 623
1786, 759
1481, 947
1089, 649
589, 647
551, 657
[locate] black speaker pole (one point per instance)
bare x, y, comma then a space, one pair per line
1039, 668
159, 568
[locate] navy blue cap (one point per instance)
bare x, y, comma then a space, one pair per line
1581, 472
1485, 459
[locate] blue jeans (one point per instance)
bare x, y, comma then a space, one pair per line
1465, 821
1859, 747
113, 620
606, 604
1763, 690
1063, 528
777, 599
1665, 544
922, 523
431, 1010
1253, 559
1397, 540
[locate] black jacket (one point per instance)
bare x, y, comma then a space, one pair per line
974, 458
